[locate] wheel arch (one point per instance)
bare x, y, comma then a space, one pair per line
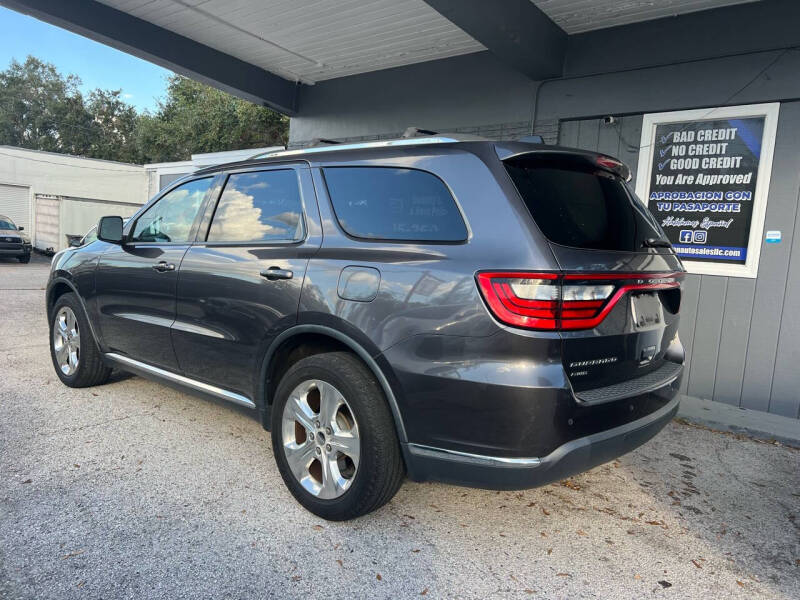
57, 288
323, 338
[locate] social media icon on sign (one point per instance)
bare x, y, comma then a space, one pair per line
685, 236
699, 237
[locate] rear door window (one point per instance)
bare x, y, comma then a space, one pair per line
383, 203
261, 206
575, 203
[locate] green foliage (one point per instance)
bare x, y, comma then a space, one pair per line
42, 109
115, 124
197, 118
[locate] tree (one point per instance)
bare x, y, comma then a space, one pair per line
114, 124
197, 118
42, 110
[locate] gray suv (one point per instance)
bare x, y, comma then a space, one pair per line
492, 314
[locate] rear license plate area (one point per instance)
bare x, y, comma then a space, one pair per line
647, 311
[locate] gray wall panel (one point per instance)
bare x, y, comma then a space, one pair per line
589, 134
774, 262
568, 134
733, 343
785, 398
708, 327
690, 303
608, 141
630, 132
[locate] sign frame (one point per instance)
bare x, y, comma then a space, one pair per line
770, 111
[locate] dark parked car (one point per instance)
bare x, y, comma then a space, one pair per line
493, 314
14, 243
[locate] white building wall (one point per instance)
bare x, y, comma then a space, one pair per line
121, 187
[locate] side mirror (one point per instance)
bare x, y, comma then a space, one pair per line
20, 228
109, 229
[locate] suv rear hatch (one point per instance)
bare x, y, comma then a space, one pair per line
618, 293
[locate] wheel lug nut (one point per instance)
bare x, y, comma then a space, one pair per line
318, 450
328, 430
316, 423
328, 447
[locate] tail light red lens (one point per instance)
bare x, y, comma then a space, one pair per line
554, 301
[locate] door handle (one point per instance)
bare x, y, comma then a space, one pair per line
274, 273
163, 266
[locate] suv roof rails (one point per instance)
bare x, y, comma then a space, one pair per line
417, 141
324, 142
413, 132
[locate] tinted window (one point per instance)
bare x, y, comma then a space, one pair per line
394, 204
170, 219
259, 207
4, 224
577, 204
90, 237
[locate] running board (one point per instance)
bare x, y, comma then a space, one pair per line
128, 363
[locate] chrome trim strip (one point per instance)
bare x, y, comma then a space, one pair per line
197, 385
206, 331
149, 319
522, 462
172, 324
562, 450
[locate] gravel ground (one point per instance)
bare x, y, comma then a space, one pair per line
135, 490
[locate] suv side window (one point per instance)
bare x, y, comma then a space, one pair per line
261, 206
170, 219
90, 236
387, 203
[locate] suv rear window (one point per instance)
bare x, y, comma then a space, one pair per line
394, 204
577, 204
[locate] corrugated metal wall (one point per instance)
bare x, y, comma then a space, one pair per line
47, 222
742, 336
15, 203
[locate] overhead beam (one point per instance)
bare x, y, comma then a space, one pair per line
163, 47
515, 31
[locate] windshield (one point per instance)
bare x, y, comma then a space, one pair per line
6, 224
577, 204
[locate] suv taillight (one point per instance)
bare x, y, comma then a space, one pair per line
557, 301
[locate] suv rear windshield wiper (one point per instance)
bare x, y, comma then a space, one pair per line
655, 243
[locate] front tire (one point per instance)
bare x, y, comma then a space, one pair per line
334, 438
24, 259
76, 357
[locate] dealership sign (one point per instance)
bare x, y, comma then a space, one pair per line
704, 174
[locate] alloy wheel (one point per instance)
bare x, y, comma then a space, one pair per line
320, 439
66, 341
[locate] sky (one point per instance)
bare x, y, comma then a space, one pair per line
99, 66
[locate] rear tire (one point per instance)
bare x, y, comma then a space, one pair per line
25, 259
363, 428
75, 355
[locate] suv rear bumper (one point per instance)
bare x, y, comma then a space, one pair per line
427, 463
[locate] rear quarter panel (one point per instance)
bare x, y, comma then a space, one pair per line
428, 326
